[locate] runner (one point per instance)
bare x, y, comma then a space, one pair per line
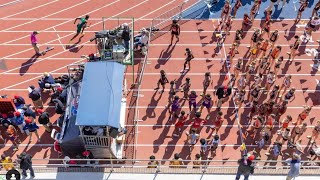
173, 111
217, 122
192, 101
206, 102
289, 95
206, 82
316, 9
163, 81
297, 132
225, 11
254, 38
250, 71
285, 84
246, 20
175, 30
172, 91
256, 125
238, 100
273, 38
315, 132
243, 81
189, 57
264, 47
254, 10
277, 65
270, 80
237, 5
274, 93
284, 124
254, 95
303, 115
303, 6
274, 55
186, 88
238, 67
81, 26
180, 124
294, 48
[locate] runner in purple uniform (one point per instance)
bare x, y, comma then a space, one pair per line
174, 107
206, 102
192, 101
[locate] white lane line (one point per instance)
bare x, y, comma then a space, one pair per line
60, 40
66, 36
80, 44
183, 45
31, 9
151, 58
66, 21
167, 90
226, 107
30, 145
182, 31
95, 18
197, 145
169, 74
9, 3
173, 125
57, 12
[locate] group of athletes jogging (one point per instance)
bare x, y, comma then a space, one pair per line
266, 100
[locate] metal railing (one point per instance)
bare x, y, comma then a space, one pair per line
164, 166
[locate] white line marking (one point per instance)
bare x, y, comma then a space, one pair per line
173, 125
226, 107
65, 31
12, 2
29, 10
151, 58
66, 21
81, 44
197, 145
152, 74
64, 9
148, 19
60, 40
167, 90
200, 45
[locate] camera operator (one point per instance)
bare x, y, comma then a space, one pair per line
126, 36
141, 39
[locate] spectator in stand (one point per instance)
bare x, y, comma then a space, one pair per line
35, 96
295, 163
18, 101
31, 127
223, 93
245, 167
19, 121
59, 107
46, 81
7, 163
25, 162
44, 119
176, 162
153, 163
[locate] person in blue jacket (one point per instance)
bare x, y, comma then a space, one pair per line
47, 79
